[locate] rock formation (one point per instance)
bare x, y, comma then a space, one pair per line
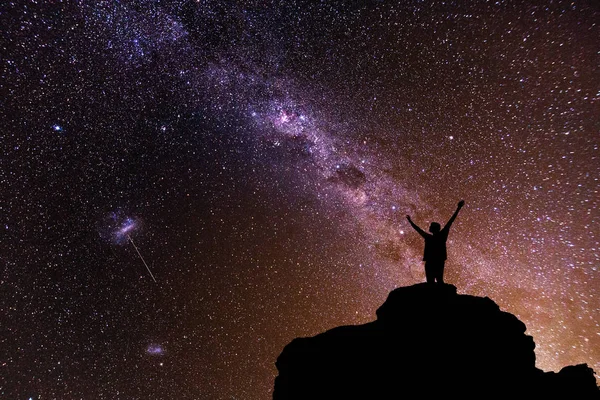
428, 341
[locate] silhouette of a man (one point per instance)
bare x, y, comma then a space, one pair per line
435, 246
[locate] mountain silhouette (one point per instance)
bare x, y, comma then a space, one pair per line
427, 342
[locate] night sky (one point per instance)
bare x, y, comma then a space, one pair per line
262, 156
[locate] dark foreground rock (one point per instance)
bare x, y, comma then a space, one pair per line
427, 342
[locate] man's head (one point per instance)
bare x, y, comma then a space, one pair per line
434, 227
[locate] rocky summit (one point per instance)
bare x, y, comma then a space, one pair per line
427, 341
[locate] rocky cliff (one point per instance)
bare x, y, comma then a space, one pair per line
428, 341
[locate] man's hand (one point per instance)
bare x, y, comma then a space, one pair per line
461, 204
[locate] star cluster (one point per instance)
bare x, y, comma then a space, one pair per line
272, 150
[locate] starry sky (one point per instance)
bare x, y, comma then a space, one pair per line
258, 159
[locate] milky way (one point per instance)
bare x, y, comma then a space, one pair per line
265, 155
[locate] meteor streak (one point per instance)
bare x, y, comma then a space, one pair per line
141, 258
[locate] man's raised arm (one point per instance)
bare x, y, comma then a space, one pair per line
421, 231
453, 217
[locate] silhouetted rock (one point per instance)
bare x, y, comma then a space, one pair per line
427, 342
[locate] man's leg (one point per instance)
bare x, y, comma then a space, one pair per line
440, 272
429, 272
